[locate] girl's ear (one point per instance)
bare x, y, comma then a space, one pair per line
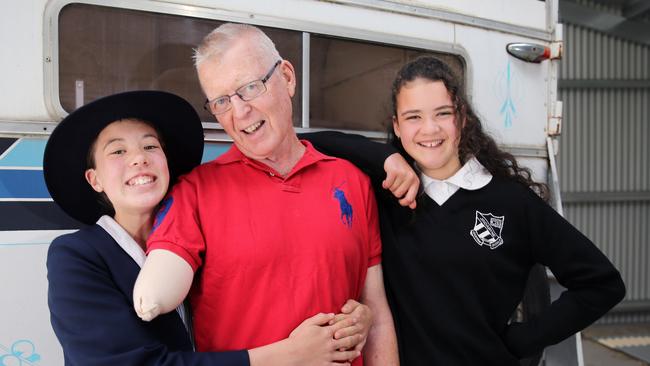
396, 126
91, 178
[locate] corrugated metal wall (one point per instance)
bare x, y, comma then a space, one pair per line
604, 158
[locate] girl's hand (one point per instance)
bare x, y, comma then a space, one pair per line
401, 180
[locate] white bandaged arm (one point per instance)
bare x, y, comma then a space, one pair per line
162, 285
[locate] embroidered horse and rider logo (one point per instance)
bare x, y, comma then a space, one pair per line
344, 205
487, 230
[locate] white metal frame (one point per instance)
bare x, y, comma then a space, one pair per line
51, 47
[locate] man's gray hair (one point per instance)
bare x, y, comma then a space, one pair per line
222, 38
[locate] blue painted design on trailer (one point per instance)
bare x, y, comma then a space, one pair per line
25, 184
212, 151
25, 153
508, 107
29, 183
29, 153
22, 352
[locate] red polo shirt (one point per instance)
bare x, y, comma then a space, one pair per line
269, 251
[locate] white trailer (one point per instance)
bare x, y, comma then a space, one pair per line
59, 54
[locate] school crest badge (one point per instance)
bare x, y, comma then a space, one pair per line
487, 230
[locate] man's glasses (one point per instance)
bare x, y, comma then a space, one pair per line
250, 91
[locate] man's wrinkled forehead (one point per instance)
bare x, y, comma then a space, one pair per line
239, 65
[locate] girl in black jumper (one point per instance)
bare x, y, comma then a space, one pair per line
456, 266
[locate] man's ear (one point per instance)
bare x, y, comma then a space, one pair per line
91, 178
289, 75
396, 126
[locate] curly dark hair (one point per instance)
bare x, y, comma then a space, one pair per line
474, 141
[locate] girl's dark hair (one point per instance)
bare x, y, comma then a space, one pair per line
473, 139
104, 203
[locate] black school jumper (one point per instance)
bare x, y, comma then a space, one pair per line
455, 273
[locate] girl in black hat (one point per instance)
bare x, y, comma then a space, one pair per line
109, 164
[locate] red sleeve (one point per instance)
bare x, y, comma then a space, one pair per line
177, 226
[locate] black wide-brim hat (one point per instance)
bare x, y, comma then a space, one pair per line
64, 161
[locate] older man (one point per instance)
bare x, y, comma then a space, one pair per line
278, 230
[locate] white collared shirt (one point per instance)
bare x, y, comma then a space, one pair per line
123, 239
471, 176
126, 242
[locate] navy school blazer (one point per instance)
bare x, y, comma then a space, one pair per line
90, 296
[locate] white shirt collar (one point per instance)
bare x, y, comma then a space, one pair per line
471, 176
122, 238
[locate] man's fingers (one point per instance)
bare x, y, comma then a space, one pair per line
345, 323
337, 318
345, 356
346, 332
347, 342
340, 363
359, 346
319, 319
349, 306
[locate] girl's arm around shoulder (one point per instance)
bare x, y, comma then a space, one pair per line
367, 155
382, 162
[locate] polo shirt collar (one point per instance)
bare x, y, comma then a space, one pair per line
233, 154
310, 157
471, 176
123, 239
